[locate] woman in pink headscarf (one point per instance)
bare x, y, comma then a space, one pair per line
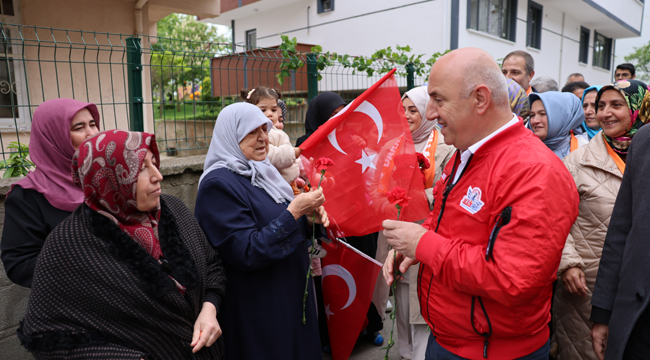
38, 203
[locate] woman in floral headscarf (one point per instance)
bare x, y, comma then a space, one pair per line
130, 274
518, 100
597, 168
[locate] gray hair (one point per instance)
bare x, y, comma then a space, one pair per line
530, 62
572, 75
490, 76
544, 83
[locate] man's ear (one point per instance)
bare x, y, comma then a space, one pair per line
531, 76
482, 98
633, 76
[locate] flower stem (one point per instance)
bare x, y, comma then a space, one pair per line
313, 247
393, 286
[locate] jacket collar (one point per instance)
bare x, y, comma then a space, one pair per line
505, 138
595, 155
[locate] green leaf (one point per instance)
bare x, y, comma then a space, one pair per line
9, 173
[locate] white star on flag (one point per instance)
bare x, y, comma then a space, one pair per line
366, 161
328, 312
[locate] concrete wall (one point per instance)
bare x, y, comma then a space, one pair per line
181, 179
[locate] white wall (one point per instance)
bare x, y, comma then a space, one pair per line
352, 29
630, 11
421, 26
626, 46
548, 58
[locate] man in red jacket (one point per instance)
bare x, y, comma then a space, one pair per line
503, 208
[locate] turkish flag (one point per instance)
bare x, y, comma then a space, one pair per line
371, 145
348, 280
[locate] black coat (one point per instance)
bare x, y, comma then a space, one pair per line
622, 288
98, 294
29, 219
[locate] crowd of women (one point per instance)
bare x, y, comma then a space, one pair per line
120, 271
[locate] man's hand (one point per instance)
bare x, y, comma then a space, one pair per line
400, 260
403, 236
206, 328
599, 334
575, 282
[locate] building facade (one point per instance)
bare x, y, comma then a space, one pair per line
564, 36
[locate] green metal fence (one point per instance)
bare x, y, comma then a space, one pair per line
174, 88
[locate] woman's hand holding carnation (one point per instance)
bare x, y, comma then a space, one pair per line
306, 203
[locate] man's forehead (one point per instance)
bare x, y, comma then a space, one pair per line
514, 62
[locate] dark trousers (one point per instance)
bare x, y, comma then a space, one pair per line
638, 345
437, 352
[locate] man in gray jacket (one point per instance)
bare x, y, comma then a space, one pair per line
620, 311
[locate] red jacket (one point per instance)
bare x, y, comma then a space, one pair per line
515, 180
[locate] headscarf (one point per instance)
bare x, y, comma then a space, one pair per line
320, 109
590, 132
420, 98
283, 108
634, 92
51, 151
564, 113
233, 124
518, 99
106, 168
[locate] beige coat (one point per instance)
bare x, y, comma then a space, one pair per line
444, 153
598, 179
282, 155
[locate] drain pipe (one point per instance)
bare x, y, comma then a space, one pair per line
139, 26
559, 75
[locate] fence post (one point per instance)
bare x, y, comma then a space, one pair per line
410, 76
134, 71
312, 76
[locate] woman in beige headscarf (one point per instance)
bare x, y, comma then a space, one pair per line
411, 328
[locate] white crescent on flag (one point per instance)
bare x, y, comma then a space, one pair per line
365, 108
341, 272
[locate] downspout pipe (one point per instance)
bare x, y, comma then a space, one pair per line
139, 26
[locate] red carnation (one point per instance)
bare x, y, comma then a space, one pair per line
423, 162
398, 197
323, 163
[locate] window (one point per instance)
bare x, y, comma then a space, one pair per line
251, 39
602, 51
535, 12
495, 17
584, 45
14, 115
325, 6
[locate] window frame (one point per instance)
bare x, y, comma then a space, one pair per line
23, 121
608, 52
511, 21
320, 9
533, 6
583, 52
247, 37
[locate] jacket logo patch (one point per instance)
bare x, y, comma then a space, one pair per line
472, 201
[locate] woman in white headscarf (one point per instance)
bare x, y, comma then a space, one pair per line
411, 328
249, 213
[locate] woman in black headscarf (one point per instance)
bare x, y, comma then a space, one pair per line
321, 108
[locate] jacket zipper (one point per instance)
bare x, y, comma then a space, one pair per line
501, 220
450, 185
